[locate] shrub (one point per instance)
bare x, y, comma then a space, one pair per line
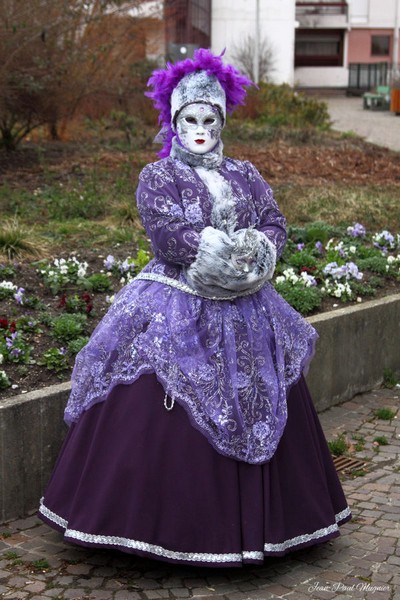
282, 106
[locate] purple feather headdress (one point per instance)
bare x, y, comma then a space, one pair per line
164, 81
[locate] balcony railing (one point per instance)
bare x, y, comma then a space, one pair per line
321, 8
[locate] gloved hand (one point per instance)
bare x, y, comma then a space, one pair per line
227, 265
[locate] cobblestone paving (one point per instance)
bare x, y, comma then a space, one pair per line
35, 564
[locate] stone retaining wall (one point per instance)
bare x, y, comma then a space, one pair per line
356, 344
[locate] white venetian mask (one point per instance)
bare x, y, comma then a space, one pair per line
199, 127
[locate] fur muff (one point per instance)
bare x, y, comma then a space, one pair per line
236, 264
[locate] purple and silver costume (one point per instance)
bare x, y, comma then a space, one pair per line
192, 429
229, 363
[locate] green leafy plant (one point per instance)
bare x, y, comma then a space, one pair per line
359, 442
385, 414
303, 299
302, 259
62, 272
68, 327
390, 378
54, 359
10, 555
376, 264
7, 289
5, 534
381, 440
7, 272
98, 282
40, 565
75, 303
339, 445
28, 324
74, 346
4, 380
15, 348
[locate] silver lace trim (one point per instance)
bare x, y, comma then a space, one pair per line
188, 556
308, 537
184, 287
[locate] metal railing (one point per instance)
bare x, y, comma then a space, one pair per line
321, 8
366, 76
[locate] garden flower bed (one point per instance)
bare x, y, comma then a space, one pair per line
48, 308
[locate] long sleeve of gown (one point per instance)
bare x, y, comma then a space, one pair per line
271, 221
172, 237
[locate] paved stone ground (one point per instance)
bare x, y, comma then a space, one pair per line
35, 564
378, 127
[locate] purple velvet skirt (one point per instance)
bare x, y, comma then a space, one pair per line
136, 477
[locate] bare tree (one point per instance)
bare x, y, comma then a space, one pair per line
244, 56
53, 53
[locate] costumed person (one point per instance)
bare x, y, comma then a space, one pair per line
193, 438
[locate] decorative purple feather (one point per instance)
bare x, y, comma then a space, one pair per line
164, 81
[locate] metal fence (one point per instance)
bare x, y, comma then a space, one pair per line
364, 77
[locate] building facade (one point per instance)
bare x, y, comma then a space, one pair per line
233, 27
311, 43
351, 44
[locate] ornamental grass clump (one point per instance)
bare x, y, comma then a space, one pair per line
17, 241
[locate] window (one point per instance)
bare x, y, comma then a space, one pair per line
201, 12
315, 48
380, 45
188, 22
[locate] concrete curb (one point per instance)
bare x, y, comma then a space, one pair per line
356, 344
